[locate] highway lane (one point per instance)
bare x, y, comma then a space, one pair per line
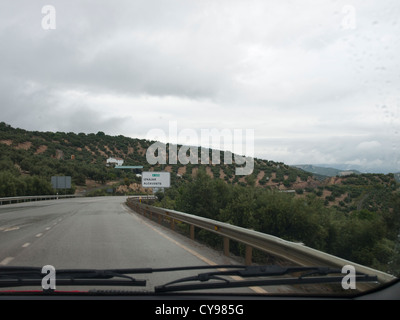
97, 233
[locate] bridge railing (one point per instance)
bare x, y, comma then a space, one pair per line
8, 200
291, 251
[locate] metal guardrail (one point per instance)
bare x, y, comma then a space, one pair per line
294, 252
9, 200
143, 197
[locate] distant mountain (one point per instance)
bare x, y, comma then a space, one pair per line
397, 176
326, 171
385, 168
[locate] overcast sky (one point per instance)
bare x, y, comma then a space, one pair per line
317, 81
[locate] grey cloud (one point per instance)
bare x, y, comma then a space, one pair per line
357, 151
286, 69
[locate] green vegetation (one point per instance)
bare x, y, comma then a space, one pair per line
11, 186
364, 236
27, 157
83, 157
356, 217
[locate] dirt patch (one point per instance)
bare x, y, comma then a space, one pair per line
136, 187
7, 142
326, 193
108, 149
91, 183
260, 175
41, 149
88, 149
110, 183
20, 170
222, 174
141, 150
341, 198
301, 184
101, 152
335, 180
116, 153
24, 145
270, 183
209, 172
59, 154
182, 170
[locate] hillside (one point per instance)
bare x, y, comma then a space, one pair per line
28, 159
83, 157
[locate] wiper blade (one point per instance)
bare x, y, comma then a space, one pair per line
32, 276
18, 276
307, 276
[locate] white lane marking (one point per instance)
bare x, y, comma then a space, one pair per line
26, 245
39, 235
11, 229
6, 261
48, 228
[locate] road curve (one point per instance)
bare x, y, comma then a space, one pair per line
96, 233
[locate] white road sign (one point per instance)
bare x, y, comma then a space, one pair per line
156, 179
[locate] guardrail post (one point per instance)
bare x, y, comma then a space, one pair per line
192, 231
173, 224
226, 246
249, 253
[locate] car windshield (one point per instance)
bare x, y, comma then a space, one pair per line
216, 147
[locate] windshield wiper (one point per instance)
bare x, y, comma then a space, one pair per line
32, 276
219, 279
18, 276
309, 275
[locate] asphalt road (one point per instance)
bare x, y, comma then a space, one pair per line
97, 233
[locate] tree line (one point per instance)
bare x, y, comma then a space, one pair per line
366, 237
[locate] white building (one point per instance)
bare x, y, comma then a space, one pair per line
115, 161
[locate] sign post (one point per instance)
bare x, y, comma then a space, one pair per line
61, 182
